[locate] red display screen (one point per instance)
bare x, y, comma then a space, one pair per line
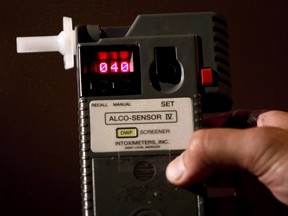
106, 62
108, 70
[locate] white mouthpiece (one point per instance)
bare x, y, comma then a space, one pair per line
63, 43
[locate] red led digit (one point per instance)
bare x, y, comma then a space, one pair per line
103, 67
124, 54
113, 55
125, 67
107, 62
114, 67
94, 67
103, 55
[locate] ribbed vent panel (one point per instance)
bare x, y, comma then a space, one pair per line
221, 47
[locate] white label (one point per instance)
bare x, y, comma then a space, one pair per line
141, 124
147, 117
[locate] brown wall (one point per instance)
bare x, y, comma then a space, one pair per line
39, 171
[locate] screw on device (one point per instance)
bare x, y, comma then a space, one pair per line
64, 43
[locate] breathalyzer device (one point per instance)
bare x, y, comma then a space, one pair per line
142, 90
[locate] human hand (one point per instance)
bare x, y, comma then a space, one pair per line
262, 150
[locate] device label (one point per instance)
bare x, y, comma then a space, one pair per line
141, 124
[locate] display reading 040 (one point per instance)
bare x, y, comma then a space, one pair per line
112, 62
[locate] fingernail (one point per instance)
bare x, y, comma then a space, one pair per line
176, 169
261, 120
254, 117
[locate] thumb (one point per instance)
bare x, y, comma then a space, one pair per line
261, 150
273, 119
209, 150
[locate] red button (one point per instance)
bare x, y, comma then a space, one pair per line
207, 76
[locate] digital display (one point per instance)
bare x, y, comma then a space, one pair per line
108, 70
113, 62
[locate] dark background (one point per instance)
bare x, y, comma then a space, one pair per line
39, 168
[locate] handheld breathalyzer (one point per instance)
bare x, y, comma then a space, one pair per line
142, 90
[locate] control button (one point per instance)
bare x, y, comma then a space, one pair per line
207, 76
126, 132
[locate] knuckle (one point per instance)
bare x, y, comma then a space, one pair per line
197, 142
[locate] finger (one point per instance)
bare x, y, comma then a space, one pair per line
260, 150
252, 149
235, 119
219, 120
208, 150
273, 119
